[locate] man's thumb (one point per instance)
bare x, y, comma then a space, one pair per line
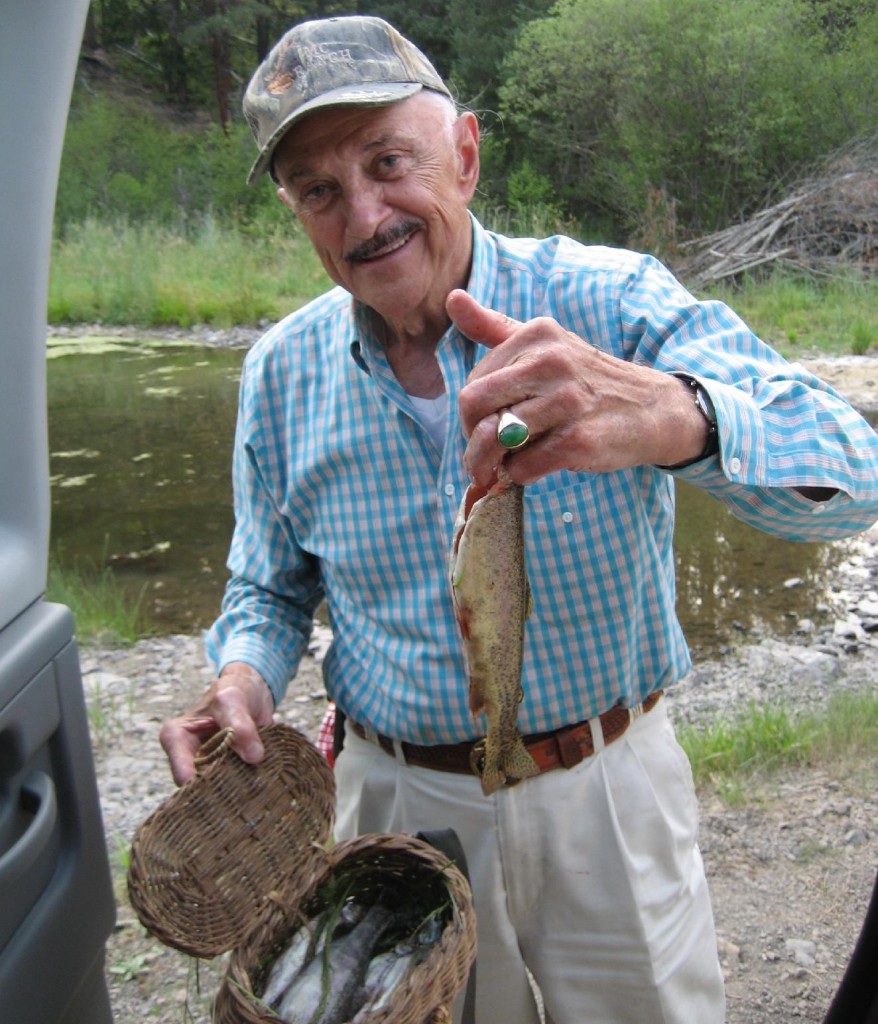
477, 322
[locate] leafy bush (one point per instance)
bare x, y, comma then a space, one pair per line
712, 103
125, 159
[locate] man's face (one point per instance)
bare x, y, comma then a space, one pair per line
383, 194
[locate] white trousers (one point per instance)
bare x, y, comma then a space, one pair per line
590, 878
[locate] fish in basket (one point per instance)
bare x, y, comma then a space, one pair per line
376, 929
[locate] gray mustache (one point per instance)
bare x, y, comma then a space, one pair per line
365, 250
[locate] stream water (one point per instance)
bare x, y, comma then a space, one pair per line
140, 442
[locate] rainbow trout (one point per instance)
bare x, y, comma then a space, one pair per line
492, 599
325, 991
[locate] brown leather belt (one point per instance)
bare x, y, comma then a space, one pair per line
562, 748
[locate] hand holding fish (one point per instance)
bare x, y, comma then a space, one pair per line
239, 700
586, 410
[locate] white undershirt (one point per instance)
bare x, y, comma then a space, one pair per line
432, 414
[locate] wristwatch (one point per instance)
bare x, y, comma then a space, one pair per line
705, 406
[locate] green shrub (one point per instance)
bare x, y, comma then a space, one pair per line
126, 159
714, 103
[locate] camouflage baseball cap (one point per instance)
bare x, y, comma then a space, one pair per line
337, 62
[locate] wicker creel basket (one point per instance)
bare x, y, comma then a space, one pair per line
239, 857
370, 863
235, 839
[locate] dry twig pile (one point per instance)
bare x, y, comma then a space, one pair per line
826, 226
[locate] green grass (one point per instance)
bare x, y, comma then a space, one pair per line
224, 274
103, 611
729, 754
148, 275
798, 316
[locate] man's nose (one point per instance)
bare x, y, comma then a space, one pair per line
367, 209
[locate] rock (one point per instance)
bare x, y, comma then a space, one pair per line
848, 629
803, 951
841, 810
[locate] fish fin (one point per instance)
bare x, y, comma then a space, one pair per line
528, 598
476, 697
518, 763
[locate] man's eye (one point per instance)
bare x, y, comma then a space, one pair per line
390, 163
315, 194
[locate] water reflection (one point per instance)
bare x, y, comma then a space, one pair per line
732, 578
141, 436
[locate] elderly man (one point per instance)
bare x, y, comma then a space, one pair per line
363, 417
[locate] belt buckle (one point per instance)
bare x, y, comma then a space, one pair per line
477, 763
477, 758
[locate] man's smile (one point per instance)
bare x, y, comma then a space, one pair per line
385, 243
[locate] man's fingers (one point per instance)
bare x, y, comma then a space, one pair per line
181, 739
245, 740
239, 700
477, 322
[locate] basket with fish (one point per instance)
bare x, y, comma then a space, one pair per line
375, 930
387, 935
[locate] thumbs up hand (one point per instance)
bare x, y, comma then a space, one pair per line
586, 410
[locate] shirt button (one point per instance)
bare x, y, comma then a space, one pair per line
567, 517
818, 508
449, 490
735, 465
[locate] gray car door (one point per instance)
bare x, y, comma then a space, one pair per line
56, 899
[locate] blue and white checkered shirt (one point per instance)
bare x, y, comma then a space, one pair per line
340, 493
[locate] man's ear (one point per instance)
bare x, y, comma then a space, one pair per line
466, 130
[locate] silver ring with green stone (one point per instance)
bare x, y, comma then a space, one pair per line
512, 432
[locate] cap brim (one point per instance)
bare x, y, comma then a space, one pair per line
368, 94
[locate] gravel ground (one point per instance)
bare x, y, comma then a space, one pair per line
791, 866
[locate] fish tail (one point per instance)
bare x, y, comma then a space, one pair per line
492, 778
500, 765
518, 763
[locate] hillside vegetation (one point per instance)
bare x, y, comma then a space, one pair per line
615, 112
652, 130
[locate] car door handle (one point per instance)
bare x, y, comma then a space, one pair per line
37, 797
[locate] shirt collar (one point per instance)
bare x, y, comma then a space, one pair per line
483, 273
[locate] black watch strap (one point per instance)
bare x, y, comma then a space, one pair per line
705, 406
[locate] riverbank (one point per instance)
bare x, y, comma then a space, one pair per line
791, 867
856, 377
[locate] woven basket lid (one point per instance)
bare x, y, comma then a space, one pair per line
236, 837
